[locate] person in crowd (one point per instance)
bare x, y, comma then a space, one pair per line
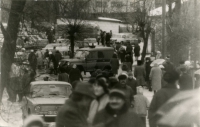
124, 87
148, 70
129, 48
158, 55
63, 76
74, 112
117, 112
131, 81
46, 63
46, 54
52, 63
118, 46
197, 80
50, 35
27, 78
129, 61
32, 59
181, 65
39, 56
162, 96
168, 65
156, 77
122, 53
101, 92
54, 50
99, 37
152, 57
139, 73
112, 82
110, 33
75, 74
102, 37
58, 57
185, 80
114, 62
34, 121
137, 51
108, 39
107, 71
96, 72
141, 104
14, 82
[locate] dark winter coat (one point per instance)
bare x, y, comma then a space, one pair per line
168, 66
122, 55
71, 115
186, 82
58, 56
133, 84
128, 93
129, 49
147, 70
32, 59
160, 98
75, 75
63, 77
139, 73
114, 62
125, 118
137, 50
46, 54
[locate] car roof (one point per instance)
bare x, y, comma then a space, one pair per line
96, 49
49, 83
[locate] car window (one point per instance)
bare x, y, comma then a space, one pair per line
100, 54
46, 90
81, 54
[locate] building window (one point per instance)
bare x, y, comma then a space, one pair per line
116, 4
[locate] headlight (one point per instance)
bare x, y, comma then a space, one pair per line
37, 108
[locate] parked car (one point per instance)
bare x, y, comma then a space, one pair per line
45, 98
62, 47
124, 37
87, 59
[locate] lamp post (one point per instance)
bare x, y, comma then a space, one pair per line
163, 27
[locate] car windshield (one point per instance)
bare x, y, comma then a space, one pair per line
81, 54
49, 90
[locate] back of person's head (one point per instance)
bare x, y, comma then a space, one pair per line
114, 55
171, 76
92, 80
62, 70
102, 82
139, 90
139, 62
112, 82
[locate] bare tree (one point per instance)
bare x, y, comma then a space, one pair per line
144, 23
10, 37
75, 14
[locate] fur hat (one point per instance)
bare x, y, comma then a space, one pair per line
85, 89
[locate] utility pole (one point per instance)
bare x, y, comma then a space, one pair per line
163, 27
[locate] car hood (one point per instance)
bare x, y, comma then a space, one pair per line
51, 100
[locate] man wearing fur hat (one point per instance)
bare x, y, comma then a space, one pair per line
117, 113
74, 112
124, 87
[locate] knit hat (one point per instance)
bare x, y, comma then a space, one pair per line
85, 89
122, 76
118, 93
30, 120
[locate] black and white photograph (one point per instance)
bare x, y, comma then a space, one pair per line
99, 63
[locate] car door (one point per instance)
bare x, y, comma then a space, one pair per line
91, 61
101, 61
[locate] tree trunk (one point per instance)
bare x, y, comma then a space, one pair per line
144, 48
9, 45
72, 46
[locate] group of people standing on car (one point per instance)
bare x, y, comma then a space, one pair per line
104, 37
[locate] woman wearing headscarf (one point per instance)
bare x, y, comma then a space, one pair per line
101, 91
